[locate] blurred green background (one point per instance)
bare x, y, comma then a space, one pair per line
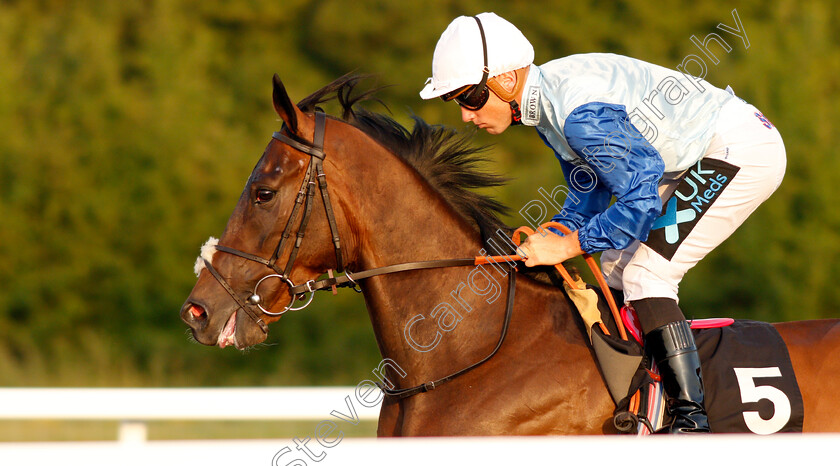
127, 130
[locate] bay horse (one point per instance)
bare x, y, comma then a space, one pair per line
395, 196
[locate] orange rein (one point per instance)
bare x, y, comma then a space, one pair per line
480, 260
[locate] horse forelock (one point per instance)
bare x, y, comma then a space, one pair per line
444, 157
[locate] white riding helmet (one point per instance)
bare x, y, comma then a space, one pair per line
459, 55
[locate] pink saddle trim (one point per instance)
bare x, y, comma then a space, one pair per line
631, 322
715, 322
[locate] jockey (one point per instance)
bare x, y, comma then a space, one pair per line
660, 142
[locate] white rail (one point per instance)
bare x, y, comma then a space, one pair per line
782, 450
133, 407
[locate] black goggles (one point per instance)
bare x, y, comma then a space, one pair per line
473, 96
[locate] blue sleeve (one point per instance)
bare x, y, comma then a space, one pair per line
626, 166
586, 197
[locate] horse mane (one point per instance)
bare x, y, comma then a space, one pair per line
441, 155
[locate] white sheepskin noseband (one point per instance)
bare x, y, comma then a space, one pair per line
207, 251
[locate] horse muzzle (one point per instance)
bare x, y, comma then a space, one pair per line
212, 329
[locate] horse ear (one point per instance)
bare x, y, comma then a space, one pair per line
283, 105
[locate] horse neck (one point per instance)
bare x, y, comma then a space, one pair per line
394, 214
401, 218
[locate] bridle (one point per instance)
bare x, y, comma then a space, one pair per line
304, 199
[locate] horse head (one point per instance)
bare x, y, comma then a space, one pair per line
259, 267
388, 187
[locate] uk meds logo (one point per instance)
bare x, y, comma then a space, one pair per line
671, 220
696, 192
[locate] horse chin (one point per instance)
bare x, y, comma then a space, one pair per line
239, 334
228, 334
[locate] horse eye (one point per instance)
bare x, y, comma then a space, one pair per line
264, 195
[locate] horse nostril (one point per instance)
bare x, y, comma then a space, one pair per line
198, 312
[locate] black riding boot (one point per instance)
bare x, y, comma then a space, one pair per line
672, 347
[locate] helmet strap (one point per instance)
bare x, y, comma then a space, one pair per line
515, 114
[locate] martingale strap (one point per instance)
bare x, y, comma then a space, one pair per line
425, 387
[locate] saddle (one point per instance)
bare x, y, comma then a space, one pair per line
749, 382
748, 377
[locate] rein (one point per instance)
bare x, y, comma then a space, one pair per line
304, 200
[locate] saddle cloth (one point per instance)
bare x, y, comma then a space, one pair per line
747, 374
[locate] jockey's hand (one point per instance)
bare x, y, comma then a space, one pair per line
548, 248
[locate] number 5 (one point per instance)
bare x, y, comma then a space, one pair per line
750, 393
